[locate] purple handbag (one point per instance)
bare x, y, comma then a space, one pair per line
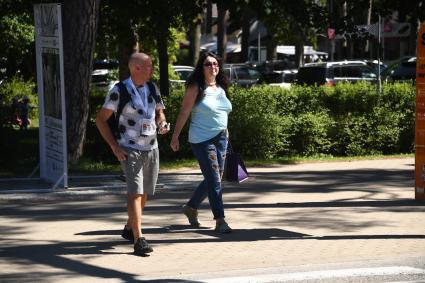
234, 168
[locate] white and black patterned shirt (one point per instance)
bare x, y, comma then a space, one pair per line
134, 117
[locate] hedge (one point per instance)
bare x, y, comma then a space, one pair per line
270, 122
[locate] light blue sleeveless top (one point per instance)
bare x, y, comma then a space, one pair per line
209, 116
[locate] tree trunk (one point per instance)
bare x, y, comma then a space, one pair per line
162, 43
368, 22
350, 48
331, 42
195, 43
415, 25
271, 49
208, 22
299, 54
221, 31
79, 18
246, 23
128, 44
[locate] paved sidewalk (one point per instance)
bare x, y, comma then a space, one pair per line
286, 219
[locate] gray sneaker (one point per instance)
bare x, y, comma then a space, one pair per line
192, 216
222, 227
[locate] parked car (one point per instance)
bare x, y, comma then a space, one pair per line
331, 73
103, 79
104, 75
403, 70
374, 65
242, 74
107, 64
3, 68
268, 67
183, 73
282, 78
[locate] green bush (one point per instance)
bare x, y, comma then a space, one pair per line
344, 99
172, 109
311, 135
352, 138
269, 122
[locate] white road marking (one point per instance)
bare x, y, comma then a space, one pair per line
299, 276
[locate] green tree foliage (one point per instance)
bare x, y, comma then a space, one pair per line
294, 24
153, 23
347, 15
407, 10
17, 37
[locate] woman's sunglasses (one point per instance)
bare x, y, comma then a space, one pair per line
210, 64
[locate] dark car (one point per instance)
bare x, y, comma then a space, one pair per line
275, 65
104, 75
331, 73
378, 67
242, 75
104, 79
404, 70
282, 78
106, 64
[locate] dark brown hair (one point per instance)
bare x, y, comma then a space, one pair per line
197, 76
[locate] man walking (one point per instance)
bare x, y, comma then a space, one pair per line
134, 143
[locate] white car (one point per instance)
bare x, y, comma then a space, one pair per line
103, 79
183, 72
284, 78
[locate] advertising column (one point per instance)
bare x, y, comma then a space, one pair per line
51, 93
420, 117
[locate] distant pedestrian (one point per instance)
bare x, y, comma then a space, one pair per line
15, 108
137, 146
207, 103
24, 109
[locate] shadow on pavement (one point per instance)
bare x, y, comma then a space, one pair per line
329, 181
58, 255
241, 235
54, 255
324, 204
238, 235
74, 212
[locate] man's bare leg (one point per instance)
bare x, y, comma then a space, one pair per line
135, 206
135, 214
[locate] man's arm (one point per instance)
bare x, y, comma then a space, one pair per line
161, 121
103, 127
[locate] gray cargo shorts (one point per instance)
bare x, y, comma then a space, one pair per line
141, 171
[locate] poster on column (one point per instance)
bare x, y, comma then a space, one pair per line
420, 117
51, 93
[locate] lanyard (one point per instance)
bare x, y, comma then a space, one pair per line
144, 103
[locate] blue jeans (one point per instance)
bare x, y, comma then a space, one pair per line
211, 155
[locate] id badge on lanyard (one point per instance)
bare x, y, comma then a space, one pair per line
148, 127
143, 103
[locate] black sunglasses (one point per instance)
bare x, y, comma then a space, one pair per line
209, 64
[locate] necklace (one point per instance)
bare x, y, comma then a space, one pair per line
211, 83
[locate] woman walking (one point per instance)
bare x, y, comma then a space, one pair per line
207, 103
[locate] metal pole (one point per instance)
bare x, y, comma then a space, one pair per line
259, 43
383, 41
379, 57
331, 25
